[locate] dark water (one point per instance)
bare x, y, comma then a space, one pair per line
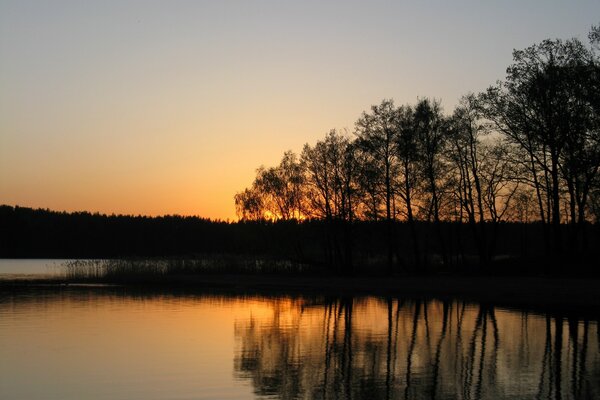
113, 343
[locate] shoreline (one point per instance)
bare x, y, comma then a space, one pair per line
543, 293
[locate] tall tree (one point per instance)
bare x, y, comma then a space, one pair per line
376, 134
465, 130
431, 130
331, 185
330, 173
538, 107
409, 155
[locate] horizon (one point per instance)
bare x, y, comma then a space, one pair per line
155, 109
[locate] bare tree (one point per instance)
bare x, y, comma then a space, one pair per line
431, 129
249, 204
409, 156
376, 134
276, 193
537, 107
331, 186
466, 129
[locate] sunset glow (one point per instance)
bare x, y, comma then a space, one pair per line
169, 107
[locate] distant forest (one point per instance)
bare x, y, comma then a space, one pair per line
508, 182
525, 150
320, 246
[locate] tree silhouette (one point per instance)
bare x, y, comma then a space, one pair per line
543, 108
377, 134
331, 193
276, 193
409, 156
431, 130
465, 135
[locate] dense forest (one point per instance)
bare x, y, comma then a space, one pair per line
308, 245
525, 150
508, 182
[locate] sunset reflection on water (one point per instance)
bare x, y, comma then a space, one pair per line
117, 343
391, 348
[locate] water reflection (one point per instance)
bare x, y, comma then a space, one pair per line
395, 349
108, 343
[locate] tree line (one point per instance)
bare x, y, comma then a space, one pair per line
506, 183
525, 150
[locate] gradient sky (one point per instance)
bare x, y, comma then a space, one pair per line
164, 107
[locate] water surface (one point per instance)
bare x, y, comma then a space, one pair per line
116, 343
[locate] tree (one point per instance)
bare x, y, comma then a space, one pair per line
328, 176
431, 129
409, 156
376, 134
331, 184
276, 193
465, 131
545, 107
249, 205
594, 36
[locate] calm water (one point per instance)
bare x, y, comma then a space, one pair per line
116, 343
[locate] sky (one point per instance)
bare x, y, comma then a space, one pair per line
169, 107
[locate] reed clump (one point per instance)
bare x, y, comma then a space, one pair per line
120, 269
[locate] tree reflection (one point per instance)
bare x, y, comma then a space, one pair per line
392, 349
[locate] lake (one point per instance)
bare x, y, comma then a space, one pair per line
87, 342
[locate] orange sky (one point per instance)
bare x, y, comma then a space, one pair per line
169, 107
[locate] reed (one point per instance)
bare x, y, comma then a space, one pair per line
130, 268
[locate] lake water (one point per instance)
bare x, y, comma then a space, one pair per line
118, 343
